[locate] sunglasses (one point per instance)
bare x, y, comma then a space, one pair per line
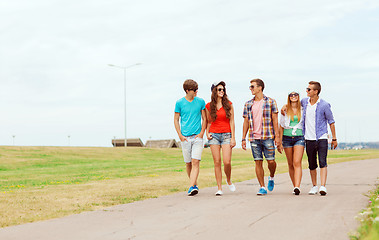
251, 87
220, 89
308, 89
293, 94
193, 89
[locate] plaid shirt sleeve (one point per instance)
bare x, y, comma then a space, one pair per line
274, 107
244, 114
269, 108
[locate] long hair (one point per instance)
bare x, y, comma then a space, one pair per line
225, 103
290, 112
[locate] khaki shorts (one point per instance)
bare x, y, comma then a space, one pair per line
192, 148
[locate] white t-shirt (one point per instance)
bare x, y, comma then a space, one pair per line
310, 122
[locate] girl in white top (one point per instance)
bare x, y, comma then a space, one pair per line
292, 139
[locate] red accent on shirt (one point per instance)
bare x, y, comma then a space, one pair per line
222, 123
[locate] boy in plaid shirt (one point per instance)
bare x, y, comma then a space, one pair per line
261, 120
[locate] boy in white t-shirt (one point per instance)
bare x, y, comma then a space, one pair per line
317, 114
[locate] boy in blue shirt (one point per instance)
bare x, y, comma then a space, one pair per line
190, 110
317, 114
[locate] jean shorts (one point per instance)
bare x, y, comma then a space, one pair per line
220, 138
293, 141
192, 148
260, 147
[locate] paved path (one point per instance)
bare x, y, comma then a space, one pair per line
239, 215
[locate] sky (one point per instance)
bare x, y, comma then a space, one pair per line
57, 88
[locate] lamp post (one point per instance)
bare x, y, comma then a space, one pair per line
124, 68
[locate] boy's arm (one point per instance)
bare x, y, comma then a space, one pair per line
274, 117
280, 146
334, 137
244, 132
203, 124
177, 127
284, 110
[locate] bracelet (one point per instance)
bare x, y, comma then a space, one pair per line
243, 140
334, 139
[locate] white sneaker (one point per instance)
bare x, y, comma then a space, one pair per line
219, 193
323, 191
313, 190
232, 188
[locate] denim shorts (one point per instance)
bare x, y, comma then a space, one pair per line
220, 138
293, 141
260, 147
192, 148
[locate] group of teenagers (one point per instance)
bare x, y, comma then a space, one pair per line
303, 124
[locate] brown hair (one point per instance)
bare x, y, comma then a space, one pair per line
189, 85
259, 83
290, 112
316, 85
225, 103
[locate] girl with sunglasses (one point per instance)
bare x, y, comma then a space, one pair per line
221, 133
292, 139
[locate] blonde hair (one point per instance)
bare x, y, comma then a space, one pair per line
290, 112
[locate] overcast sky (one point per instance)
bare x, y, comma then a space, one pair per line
56, 82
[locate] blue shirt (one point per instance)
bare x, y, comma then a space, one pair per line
324, 116
190, 115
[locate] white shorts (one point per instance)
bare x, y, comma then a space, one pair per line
192, 148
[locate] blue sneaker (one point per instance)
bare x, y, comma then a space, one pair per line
270, 185
193, 190
262, 191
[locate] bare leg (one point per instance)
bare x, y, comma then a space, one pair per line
227, 159
188, 169
260, 172
289, 154
271, 167
194, 172
215, 149
298, 152
323, 175
313, 176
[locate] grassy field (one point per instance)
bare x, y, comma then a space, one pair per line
369, 218
38, 183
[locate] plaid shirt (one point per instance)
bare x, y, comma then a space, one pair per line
269, 107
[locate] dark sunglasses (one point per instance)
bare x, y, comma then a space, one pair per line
308, 89
251, 87
220, 89
193, 89
293, 94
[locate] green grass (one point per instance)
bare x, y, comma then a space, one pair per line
38, 183
369, 218
30, 168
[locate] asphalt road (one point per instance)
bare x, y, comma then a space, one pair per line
238, 215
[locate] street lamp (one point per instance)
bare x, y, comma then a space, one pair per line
124, 68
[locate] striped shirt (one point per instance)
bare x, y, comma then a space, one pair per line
269, 107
